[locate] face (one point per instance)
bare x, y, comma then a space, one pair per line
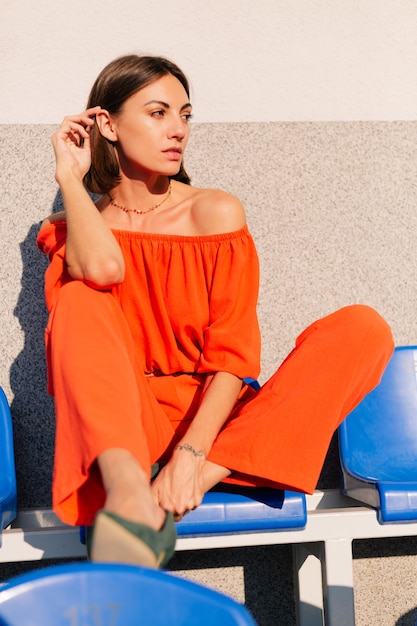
152, 130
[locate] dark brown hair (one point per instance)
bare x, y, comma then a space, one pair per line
119, 80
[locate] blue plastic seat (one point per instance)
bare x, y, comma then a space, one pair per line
378, 443
239, 510
8, 491
117, 595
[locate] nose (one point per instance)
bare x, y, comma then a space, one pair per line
177, 129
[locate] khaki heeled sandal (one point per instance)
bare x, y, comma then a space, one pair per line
114, 539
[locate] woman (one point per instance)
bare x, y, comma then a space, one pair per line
152, 295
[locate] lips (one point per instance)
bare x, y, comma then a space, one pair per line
174, 154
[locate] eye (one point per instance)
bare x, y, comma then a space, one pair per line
158, 113
187, 117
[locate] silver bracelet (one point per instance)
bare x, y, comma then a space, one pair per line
189, 448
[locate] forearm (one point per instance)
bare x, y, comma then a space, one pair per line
218, 400
181, 484
92, 252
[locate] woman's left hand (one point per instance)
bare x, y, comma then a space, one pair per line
179, 487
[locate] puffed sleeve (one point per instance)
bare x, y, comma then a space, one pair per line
232, 339
51, 241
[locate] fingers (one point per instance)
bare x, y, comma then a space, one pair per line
181, 506
179, 486
71, 144
76, 127
84, 119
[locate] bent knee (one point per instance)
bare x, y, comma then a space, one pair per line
363, 315
362, 318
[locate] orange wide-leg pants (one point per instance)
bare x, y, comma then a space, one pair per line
278, 436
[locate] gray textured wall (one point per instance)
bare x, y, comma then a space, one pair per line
332, 207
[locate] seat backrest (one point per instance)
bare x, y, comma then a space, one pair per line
114, 595
378, 440
8, 495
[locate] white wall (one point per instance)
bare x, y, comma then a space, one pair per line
248, 61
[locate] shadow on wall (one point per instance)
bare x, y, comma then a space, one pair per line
408, 619
32, 407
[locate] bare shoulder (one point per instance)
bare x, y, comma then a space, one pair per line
54, 217
215, 211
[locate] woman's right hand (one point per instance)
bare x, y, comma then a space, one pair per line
71, 143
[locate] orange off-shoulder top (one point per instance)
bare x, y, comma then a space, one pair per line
190, 301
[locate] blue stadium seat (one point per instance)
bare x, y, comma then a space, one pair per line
110, 594
237, 510
8, 491
378, 443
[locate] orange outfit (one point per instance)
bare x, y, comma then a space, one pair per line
127, 366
